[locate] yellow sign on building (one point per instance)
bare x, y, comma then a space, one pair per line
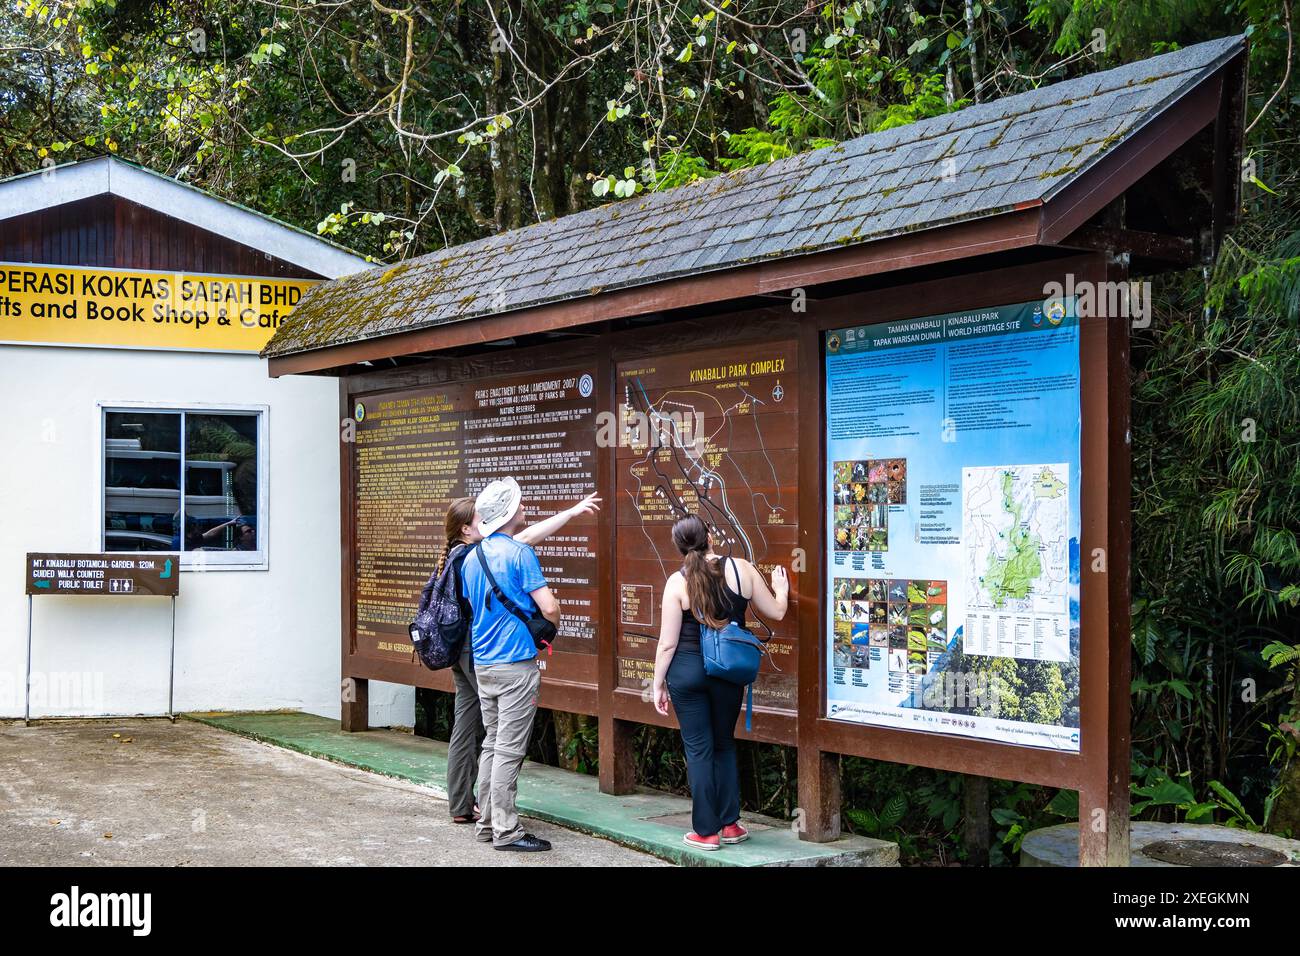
123, 308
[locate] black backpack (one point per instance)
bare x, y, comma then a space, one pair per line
443, 619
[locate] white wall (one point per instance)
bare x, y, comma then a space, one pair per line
245, 640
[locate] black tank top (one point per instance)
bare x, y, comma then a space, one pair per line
690, 633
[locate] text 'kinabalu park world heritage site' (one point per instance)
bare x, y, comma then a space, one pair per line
810, 435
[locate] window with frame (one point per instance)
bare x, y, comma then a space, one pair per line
186, 479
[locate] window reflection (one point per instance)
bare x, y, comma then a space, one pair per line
142, 474
220, 482
148, 465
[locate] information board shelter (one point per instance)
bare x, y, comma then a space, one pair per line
897, 366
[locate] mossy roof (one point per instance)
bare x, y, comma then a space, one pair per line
969, 164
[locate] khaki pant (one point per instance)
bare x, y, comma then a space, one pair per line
464, 751
508, 698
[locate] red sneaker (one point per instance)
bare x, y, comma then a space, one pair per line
734, 833
702, 842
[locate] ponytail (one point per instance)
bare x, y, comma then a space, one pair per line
459, 514
706, 583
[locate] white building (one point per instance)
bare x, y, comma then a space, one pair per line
141, 418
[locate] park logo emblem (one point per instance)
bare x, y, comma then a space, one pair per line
359, 413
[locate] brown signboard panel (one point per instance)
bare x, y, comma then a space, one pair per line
711, 432
418, 450
106, 575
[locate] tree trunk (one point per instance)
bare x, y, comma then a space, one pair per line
1286, 811
576, 119
503, 152
570, 727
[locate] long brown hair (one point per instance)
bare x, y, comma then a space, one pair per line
706, 583
459, 514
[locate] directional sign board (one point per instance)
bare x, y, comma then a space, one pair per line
116, 575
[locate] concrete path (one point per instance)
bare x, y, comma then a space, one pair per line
647, 820
186, 794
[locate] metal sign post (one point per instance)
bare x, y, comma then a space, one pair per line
99, 574
27, 682
171, 668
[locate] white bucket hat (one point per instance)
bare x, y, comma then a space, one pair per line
496, 504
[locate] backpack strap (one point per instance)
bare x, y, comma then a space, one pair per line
501, 595
449, 561
427, 594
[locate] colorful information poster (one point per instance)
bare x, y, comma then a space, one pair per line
953, 526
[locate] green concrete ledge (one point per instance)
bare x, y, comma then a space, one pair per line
648, 820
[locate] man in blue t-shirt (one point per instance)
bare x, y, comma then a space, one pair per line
505, 659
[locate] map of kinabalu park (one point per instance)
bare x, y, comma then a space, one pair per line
1015, 530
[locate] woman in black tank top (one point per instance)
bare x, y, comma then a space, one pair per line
737, 606
708, 590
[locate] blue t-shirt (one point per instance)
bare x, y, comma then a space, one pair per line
497, 636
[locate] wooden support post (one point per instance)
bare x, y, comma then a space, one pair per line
616, 750
617, 755
354, 692
1105, 657
818, 819
355, 702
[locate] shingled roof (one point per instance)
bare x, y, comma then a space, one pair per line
973, 163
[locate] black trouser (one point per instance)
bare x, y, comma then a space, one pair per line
707, 709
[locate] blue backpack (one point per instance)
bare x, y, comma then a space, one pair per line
443, 618
733, 653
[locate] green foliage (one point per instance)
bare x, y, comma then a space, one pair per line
1155, 789
1216, 500
917, 808
1020, 808
680, 166
1126, 29
880, 825
853, 92
1283, 742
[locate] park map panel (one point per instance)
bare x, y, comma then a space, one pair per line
710, 432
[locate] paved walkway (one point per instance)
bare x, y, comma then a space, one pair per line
158, 794
648, 820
